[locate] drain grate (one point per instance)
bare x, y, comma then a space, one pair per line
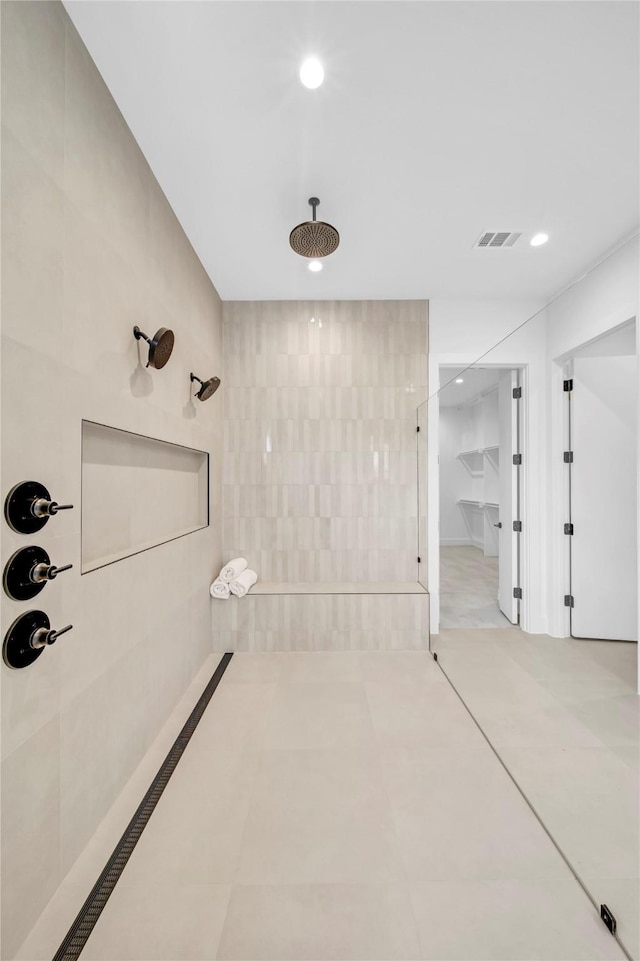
92, 908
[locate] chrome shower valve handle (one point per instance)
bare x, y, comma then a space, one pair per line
27, 571
27, 638
29, 506
42, 637
47, 572
44, 508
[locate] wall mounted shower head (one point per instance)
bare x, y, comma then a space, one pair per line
314, 238
209, 387
160, 346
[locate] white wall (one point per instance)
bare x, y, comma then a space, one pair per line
604, 299
467, 328
90, 247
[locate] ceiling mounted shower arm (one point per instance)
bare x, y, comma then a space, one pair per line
314, 238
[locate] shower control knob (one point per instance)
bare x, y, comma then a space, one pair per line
29, 506
499, 524
27, 638
27, 571
44, 508
42, 636
42, 573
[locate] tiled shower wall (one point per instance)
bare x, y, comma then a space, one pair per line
320, 453
90, 247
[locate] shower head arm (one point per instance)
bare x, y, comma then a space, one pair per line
137, 333
313, 201
193, 377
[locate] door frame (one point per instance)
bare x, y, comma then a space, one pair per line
437, 361
560, 546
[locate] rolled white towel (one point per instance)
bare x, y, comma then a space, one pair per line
219, 589
232, 570
244, 583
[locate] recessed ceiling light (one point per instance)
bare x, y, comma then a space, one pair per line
311, 73
315, 266
538, 240
459, 380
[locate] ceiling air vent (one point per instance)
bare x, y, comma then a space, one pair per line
498, 238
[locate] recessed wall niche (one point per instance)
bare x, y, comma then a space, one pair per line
137, 492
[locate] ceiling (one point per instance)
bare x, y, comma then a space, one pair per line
436, 121
475, 381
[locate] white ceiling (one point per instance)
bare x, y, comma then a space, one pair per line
436, 120
475, 381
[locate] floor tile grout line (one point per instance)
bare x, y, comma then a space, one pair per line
86, 919
532, 809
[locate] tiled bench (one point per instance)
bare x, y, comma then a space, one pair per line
323, 617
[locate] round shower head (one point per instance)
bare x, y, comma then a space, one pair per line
160, 346
314, 238
209, 387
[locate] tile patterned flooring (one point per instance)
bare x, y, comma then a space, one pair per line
339, 806
469, 589
564, 716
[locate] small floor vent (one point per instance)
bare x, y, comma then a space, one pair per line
498, 238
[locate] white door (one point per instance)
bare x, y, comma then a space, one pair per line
604, 573
508, 479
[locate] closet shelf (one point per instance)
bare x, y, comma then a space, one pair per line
479, 450
479, 504
474, 460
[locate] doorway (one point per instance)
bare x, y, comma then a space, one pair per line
479, 483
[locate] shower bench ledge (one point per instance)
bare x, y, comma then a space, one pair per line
340, 616
338, 587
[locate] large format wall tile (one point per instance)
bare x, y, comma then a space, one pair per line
90, 247
322, 622
320, 437
30, 832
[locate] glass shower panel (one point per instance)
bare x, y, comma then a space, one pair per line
423, 527
495, 471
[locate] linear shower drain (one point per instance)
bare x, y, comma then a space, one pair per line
79, 932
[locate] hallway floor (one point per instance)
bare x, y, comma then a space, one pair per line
469, 589
331, 806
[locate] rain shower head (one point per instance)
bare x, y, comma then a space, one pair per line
314, 238
209, 387
160, 346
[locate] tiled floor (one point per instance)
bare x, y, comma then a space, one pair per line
469, 589
337, 806
563, 715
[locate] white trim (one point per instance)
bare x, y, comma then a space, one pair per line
531, 587
559, 547
558, 557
